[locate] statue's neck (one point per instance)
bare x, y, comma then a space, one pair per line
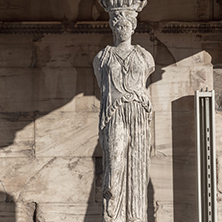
123, 45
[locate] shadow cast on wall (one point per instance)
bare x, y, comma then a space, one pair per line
33, 93
150, 197
93, 11
7, 208
94, 208
184, 160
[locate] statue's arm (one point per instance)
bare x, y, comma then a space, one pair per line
150, 62
97, 67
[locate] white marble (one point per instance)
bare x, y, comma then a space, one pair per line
122, 71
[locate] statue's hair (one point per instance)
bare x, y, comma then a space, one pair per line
117, 16
110, 5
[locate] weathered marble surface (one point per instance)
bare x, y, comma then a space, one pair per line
124, 130
64, 134
218, 88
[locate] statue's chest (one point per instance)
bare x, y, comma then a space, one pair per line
130, 70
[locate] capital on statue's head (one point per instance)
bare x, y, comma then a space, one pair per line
117, 5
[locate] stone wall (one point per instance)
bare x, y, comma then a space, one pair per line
49, 118
50, 158
69, 10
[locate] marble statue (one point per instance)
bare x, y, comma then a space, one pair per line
122, 71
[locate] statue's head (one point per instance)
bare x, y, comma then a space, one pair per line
123, 15
123, 23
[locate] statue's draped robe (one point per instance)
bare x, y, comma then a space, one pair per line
125, 133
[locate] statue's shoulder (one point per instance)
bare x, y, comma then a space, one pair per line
102, 55
146, 55
144, 52
98, 62
99, 54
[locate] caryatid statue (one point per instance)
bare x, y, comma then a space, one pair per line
122, 71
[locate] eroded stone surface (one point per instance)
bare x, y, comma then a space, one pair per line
64, 134
219, 174
47, 212
31, 90
17, 51
122, 71
17, 134
60, 180
179, 212
218, 120
218, 88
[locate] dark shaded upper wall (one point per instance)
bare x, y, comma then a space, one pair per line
73, 10
182, 10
